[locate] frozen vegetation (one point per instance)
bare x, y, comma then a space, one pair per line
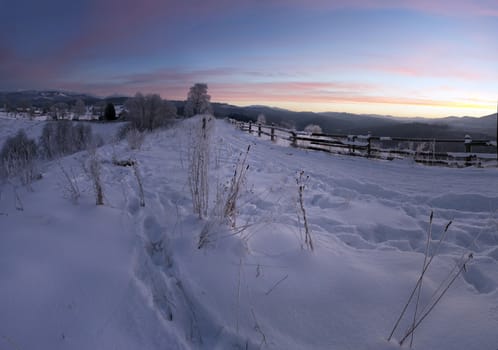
147, 271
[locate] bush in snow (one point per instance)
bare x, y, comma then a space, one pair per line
18, 157
313, 129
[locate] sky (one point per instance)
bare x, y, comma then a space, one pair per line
429, 58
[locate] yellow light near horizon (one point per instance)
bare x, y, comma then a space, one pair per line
458, 109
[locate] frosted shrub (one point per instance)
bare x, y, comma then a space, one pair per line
313, 129
18, 158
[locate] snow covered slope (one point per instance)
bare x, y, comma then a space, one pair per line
80, 276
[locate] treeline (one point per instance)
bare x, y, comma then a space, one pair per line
144, 113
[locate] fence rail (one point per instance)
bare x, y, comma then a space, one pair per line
462, 152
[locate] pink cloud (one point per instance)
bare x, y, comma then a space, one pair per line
440, 7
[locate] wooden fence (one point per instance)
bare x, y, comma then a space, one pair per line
465, 152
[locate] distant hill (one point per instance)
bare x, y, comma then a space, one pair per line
348, 123
46, 98
330, 122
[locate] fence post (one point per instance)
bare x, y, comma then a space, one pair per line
259, 129
272, 131
293, 139
250, 128
369, 146
468, 143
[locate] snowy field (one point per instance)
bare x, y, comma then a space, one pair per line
122, 276
9, 125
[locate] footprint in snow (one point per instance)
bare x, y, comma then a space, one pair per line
478, 280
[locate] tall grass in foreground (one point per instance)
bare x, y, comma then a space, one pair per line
198, 166
437, 295
227, 199
233, 190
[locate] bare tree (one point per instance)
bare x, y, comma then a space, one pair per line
64, 137
47, 142
198, 101
149, 112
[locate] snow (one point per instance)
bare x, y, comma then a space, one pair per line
122, 276
9, 125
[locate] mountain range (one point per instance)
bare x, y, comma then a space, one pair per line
330, 122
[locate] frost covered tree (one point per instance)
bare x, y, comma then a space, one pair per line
18, 156
198, 101
79, 108
149, 112
313, 129
261, 119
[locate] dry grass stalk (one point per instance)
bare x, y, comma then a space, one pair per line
431, 306
198, 168
429, 236
233, 191
301, 183
419, 281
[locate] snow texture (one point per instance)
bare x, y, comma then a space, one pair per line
122, 276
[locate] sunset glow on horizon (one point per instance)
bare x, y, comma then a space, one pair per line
404, 58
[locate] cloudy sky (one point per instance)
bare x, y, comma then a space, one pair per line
401, 57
